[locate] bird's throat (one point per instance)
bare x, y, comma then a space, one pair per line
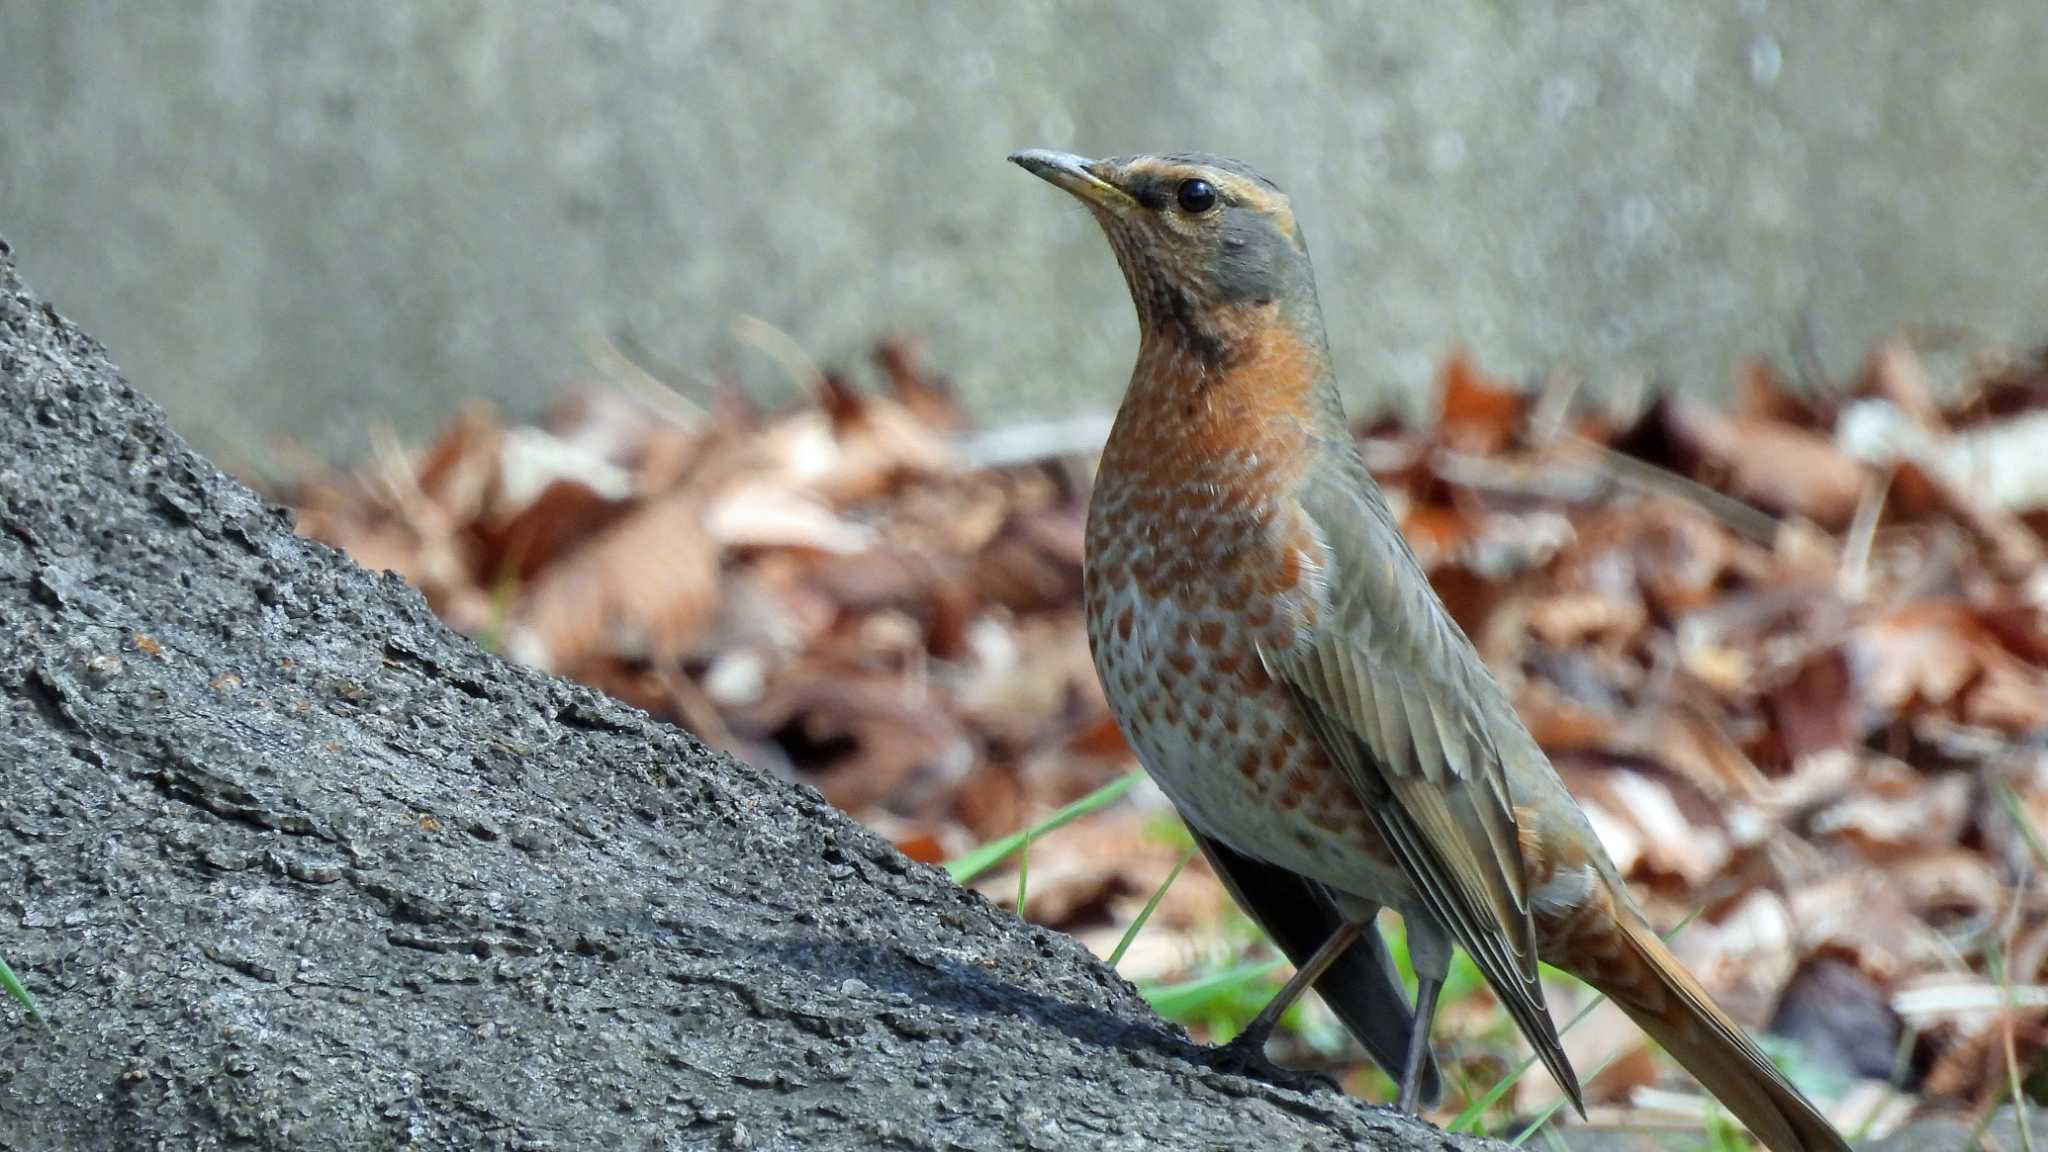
1247, 372
1210, 334
1256, 344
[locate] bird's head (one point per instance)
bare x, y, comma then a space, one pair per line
1202, 241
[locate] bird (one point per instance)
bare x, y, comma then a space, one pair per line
1276, 658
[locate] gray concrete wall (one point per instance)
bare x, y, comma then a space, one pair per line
305, 216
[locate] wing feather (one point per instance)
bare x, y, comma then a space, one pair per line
1401, 703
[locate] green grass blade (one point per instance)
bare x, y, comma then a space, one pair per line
1023, 872
12, 983
1544, 1116
1178, 1001
1477, 1108
1996, 955
966, 868
2018, 812
1463, 1083
1145, 913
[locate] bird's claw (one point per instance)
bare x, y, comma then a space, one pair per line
1246, 1056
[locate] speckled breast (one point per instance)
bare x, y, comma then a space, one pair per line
1189, 570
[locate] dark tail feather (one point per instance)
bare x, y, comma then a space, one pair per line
1363, 987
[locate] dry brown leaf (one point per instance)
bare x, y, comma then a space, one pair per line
1894, 813
765, 514
1561, 725
1030, 682
1032, 563
1945, 885
1746, 703
876, 443
1437, 532
1695, 747
1813, 707
1974, 1068
458, 470
1775, 466
1936, 656
1672, 553
1858, 915
1746, 956
641, 590
1918, 495
923, 847
1569, 620
1762, 397
925, 395
543, 528
1476, 412
1894, 373
1692, 846
863, 740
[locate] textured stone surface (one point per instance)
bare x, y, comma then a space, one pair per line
290, 866
298, 216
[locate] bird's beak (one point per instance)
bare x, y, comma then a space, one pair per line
1075, 174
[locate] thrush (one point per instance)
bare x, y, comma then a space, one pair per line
1280, 664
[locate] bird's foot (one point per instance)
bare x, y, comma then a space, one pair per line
1246, 1056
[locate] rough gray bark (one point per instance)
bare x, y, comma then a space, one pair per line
289, 865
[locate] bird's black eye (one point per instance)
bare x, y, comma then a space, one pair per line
1195, 196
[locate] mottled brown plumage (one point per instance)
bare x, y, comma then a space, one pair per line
1284, 671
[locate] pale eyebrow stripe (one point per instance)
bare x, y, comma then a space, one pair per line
1258, 196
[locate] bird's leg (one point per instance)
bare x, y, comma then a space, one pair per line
1426, 989
1429, 953
1252, 1040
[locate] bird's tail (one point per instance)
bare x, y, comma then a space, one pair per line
1646, 980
